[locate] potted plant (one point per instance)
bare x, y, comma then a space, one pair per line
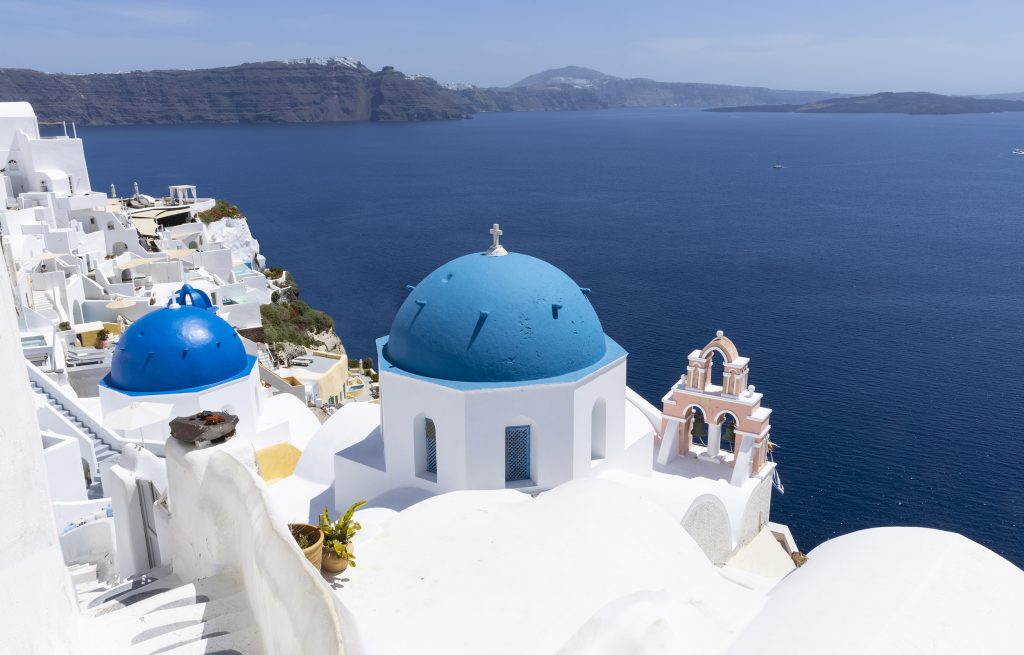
310, 540
339, 551
102, 339
65, 334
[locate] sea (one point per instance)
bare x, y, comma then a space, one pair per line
875, 281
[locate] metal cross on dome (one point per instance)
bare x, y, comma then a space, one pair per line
496, 249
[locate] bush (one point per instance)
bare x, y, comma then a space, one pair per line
289, 282
367, 363
63, 326
221, 209
293, 322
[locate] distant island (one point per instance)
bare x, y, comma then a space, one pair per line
337, 89
890, 103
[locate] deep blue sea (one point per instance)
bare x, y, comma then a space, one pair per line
875, 282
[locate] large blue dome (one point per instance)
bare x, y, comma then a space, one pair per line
495, 319
177, 348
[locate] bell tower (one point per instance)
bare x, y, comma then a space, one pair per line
734, 405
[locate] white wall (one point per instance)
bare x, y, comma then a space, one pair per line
222, 523
241, 397
64, 468
470, 428
42, 618
120, 483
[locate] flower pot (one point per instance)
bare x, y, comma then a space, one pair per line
332, 562
313, 552
100, 345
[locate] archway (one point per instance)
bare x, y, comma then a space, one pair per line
722, 432
698, 426
716, 367
119, 248
76, 312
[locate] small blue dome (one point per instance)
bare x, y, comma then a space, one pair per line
177, 348
188, 295
495, 319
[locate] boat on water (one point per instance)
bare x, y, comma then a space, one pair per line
1018, 151
779, 167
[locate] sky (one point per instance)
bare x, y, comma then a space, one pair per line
966, 47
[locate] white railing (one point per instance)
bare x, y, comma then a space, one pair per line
71, 404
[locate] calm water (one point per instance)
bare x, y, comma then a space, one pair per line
875, 282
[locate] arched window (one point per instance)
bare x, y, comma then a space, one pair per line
517, 453
430, 435
598, 435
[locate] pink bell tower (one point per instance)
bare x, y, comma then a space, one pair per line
696, 393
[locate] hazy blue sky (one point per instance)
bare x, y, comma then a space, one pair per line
856, 45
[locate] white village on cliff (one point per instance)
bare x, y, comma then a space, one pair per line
167, 459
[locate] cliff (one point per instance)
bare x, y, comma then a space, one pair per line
303, 91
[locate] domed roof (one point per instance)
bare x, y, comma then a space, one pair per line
176, 348
507, 318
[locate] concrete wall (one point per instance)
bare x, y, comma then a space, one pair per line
63, 467
222, 523
44, 617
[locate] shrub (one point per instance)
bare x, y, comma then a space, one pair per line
293, 322
221, 209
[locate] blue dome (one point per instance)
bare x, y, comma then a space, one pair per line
495, 319
177, 348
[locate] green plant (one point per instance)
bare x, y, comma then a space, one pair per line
63, 326
301, 538
367, 363
102, 335
338, 534
221, 209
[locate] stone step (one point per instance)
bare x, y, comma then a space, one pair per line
82, 574
211, 615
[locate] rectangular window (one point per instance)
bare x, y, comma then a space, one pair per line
431, 434
517, 453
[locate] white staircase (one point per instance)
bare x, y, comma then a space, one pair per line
42, 303
103, 451
162, 615
264, 358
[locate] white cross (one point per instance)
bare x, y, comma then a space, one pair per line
496, 249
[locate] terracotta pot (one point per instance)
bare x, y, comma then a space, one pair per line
313, 552
332, 562
100, 345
